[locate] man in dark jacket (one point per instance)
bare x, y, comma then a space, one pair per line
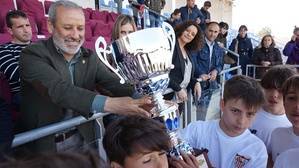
209, 63
59, 77
191, 12
206, 15
156, 6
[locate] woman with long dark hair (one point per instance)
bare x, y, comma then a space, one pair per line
189, 38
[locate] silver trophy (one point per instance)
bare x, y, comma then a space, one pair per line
144, 59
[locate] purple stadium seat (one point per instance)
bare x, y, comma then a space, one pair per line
88, 31
100, 15
87, 13
4, 38
102, 29
5, 6
112, 17
47, 5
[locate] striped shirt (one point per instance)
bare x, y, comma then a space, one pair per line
9, 64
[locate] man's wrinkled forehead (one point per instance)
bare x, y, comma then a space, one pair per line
69, 14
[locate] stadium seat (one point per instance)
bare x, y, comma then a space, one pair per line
5, 6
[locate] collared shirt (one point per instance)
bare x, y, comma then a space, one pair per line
98, 101
211, 46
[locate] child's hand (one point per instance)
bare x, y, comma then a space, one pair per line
189, 161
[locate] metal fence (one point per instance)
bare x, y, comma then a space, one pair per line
41, 132
253, 68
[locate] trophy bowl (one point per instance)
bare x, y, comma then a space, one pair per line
144, 59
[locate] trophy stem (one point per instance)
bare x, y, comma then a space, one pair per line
159, 101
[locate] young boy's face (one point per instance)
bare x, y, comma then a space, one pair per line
274, 100
153, 159
236, 117
291, 105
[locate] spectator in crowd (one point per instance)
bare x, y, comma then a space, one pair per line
123, 26
6, 129
21, 33
288, 159
206, 15
291, 49
285, 138
221, 38
222, 42
175, 18
243, 46
138, 11
209, 63
272, 114
191, 12
155, 7
86, 159
138, 142
189, 38
59, 78
266, 55
119, 5
228, 140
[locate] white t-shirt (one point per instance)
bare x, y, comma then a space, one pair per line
283, 139
288, 159
265, 123
226, 151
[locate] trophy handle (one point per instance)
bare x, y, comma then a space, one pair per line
102, 51
168, 30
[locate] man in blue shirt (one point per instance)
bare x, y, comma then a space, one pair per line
191, 12
209, 63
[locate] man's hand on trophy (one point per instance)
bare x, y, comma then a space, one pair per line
182, 95
128, 106
188, 161
197, 90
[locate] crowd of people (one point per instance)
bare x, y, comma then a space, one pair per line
255, 125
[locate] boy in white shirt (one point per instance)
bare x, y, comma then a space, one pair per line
228, 140
283, 139
272, 114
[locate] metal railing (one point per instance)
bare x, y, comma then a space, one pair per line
234, 54
41, 132
254, 67
223, 74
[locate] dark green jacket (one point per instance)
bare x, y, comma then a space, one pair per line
47, 89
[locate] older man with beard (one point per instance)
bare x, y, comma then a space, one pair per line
58, 78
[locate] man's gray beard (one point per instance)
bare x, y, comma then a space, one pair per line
59, 42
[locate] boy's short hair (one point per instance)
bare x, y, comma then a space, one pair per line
244, 88
291, 84
276, 76
14, 14
134, 134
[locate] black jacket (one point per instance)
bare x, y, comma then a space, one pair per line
176, 75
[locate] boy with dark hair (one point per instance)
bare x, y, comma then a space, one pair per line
285, 138
136, 142
228, 140
272, 114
